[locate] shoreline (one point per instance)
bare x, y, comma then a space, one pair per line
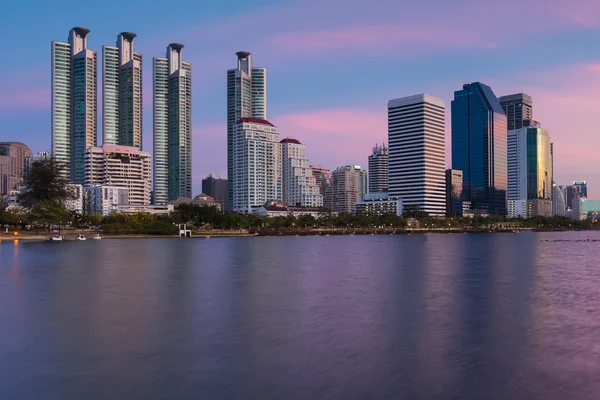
71, 235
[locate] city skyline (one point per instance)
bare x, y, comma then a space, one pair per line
309, 103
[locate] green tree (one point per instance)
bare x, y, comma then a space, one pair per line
45, 182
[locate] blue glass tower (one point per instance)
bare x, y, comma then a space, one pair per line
479, 147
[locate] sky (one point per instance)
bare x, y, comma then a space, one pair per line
332, 66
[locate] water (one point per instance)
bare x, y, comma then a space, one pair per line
479, 316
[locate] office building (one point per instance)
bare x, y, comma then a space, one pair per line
104, 199
75, 203
322, 176
74, 102
479, 148
14, 163
172, 126
529, 172
378, 203
580, 189
378, 169
121, 166
518, 109
122, 93
417, 159
217, 188
454, 187
246, 98
256, 177
298, 185
347, 188
559, 205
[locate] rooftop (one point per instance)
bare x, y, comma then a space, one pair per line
251, 120
290, 140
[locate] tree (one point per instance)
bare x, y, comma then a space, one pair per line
45, 182
413, 211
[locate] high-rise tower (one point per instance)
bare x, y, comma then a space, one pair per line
417, 162
479, 147
122, 93
74, 101
378, 169
246, 98
172, 123
518, 109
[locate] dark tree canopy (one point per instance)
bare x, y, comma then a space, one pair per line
45, 183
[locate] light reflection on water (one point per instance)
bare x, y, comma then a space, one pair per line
402, 317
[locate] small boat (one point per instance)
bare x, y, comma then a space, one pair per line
56, 238
97, 237
81, 237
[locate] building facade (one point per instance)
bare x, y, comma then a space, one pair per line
529, 172
298, 185
103, 199
256, 154
14, 163
172, 126
122, 93
74, 102
378, 203
559, 205
417, 159
378, 169
347, 188
479, 148
454, 187
518, 109
217, 188
120, 166
246, 98
580, 189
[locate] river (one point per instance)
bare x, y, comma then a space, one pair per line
432, 316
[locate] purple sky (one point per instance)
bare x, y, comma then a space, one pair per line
333, 66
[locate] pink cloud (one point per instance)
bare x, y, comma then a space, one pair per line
336, 137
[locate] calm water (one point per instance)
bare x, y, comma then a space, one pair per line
500, 316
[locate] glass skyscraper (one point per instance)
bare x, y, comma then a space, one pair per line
122, 93
246, 98
479, 147
172, 126
74, 102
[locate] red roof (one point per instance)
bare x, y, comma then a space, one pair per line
254, 121
290, 140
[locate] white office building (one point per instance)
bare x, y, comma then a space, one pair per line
74, 102
103, 199
256, 175
120, 166
172, 126
299, 186
417, 154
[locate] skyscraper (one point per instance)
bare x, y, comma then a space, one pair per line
518, 108
299, 186
378, 169
246, 98
347, 188
172, 126
529, 172
454, 187
216, 187
559, 205
74, 102
479, 147
122, 93
14, 162
580, 188
417, 161
256, 177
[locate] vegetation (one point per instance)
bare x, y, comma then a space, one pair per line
46, 192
